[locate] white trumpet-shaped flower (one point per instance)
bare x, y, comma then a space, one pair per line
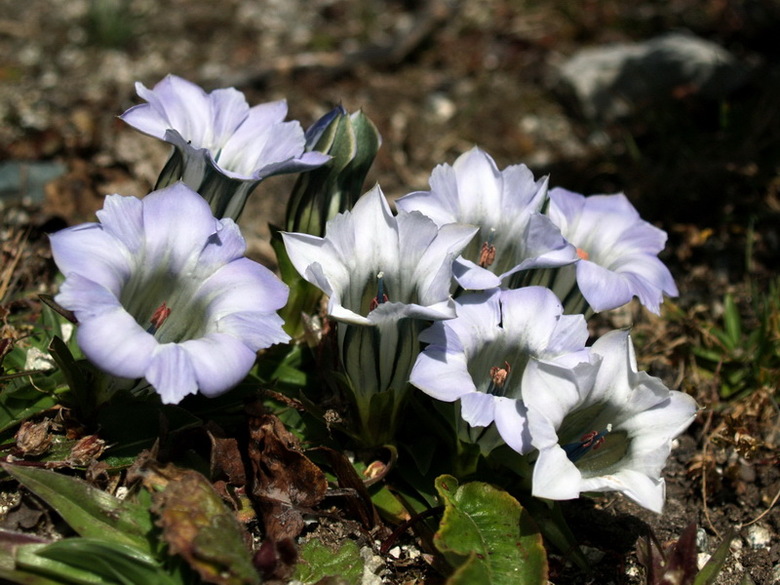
506, 207
611, 433
377, 268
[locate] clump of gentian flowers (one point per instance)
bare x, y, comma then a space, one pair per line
474, 293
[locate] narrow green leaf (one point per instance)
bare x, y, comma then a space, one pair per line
89, 511
21, 400
732, 321
88, 561
488, 536
317, 562
712, 568
25, 578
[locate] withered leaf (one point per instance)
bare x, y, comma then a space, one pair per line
285, 482
226, 460
358, 504
198, 525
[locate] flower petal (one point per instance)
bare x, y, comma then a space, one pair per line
172, 373
512, 424
177, 223
256, 330
122, 217
220, 362
90, 251
117, 344
554, 476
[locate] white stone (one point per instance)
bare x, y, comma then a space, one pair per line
758, 536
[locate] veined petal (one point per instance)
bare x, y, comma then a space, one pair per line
618, 248
256, 329
219, 361
443, 375
611, 432
504, 206
87, 299
602, 288
433, 270
179, 104
172, 373
230, 111
512, 424
90, 251
223, 246
473, 277
478, 409
241, 143
122, 217
645, 491
116, 343
233, 289
170, 240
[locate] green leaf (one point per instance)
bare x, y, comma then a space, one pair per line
81, 390
712, 568
89, 511
25, 578
732, 321
318, 561
21, 400
91, 561
130, 424
488, 536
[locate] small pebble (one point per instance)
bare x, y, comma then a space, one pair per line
758, 536
701, 559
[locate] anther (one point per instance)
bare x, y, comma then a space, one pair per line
582, 254
487, 254
158, 318
499, 375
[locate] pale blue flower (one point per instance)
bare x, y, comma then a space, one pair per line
162, 291
609, 433
618, 251
506, 207
503, 345
224, 148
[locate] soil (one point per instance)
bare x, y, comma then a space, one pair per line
437, 78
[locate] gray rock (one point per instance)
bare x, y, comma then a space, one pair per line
610, 82
25, 180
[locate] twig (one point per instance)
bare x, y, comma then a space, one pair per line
765, 512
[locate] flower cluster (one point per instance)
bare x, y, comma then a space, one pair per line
475, 292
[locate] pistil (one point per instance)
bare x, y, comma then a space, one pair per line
590, 440
380, 297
